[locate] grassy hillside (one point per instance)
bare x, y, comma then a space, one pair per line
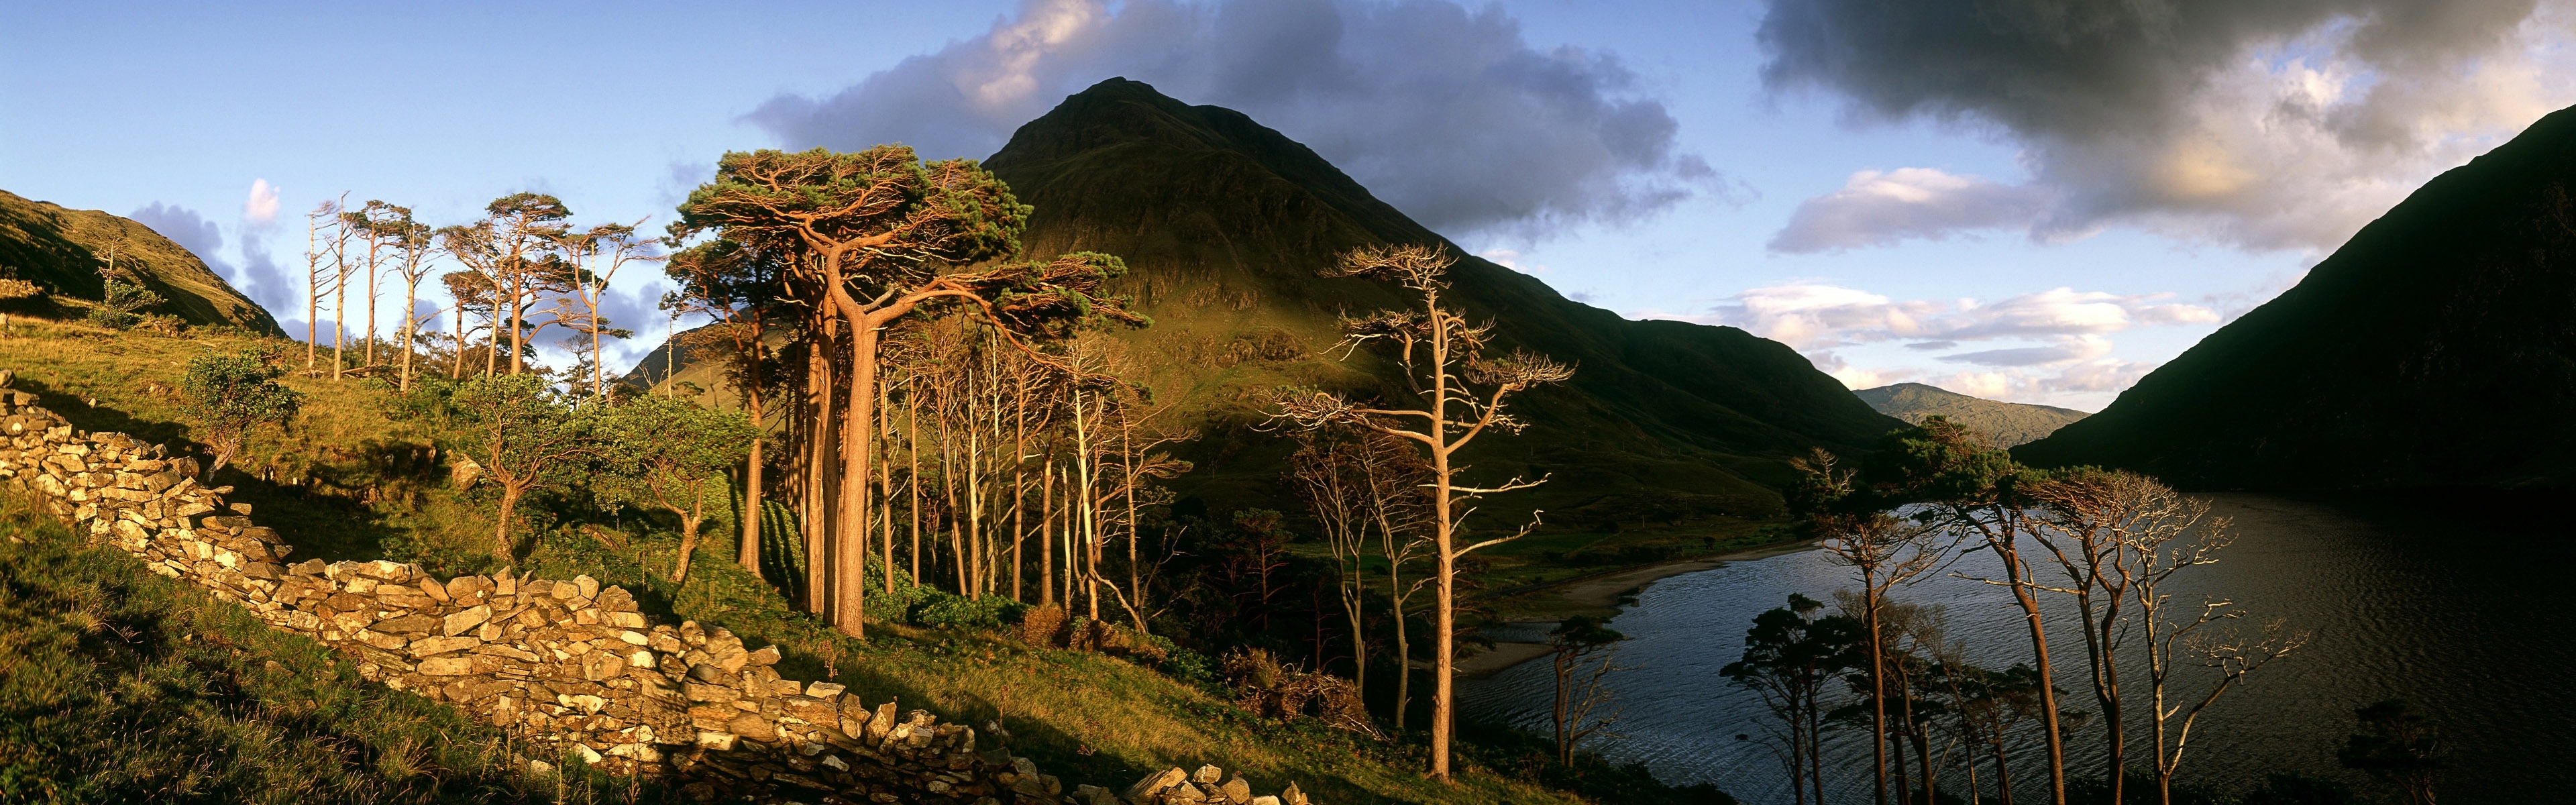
63, 249
120, 686
2006, 423
352, 483
2434, 349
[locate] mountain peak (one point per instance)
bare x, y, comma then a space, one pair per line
1225, 224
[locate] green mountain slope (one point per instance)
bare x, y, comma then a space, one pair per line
1225, 224
63, 249
2007, 423
2436, 348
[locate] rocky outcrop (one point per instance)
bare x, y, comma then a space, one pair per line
570, 668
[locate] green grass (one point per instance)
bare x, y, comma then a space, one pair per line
350, 481
118, 686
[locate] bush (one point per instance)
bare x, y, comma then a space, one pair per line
942, 608
112, 318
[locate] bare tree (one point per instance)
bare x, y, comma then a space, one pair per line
412, 248
1444, 357
1585, 653
1883, 551
1974, 492
594, 256
324, 217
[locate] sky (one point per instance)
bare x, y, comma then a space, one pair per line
2018, 199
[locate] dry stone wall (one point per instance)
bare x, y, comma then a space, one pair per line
569, 667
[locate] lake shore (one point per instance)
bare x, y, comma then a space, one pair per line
1602, 591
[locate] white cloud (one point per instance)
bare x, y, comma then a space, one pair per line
1876, 208
2041, 346
2061, 350
260, 209
1422, 101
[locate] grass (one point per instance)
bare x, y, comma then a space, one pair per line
349, 482
117, 686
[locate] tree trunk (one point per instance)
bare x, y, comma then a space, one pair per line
501, 527
1046, 525
688, 536
850, 538
2047, 685
749, 554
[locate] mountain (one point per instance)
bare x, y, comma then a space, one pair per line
63, 249
1225, 224
2437, 348
2007, 423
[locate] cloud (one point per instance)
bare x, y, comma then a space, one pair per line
1423, 101
260, 209
1815, 315
2052, 343
1877, 208
2061, 350
184, 227
2275, 125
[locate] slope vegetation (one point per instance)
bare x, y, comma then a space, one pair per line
2435, 349
352, 482
2006, 423
1225, 224
63, 250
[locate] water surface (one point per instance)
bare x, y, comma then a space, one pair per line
2464, 614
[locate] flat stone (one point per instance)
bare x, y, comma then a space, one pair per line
381, 640
751, 725
440, 645
447, 666
719, 741
456, 624
767, 655
1237, 790
635, 638
1154, 783
408, 624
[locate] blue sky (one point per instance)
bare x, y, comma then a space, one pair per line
2012, 211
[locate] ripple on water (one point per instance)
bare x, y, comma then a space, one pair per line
2466, 618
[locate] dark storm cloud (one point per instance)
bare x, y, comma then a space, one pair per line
2283, 123
1446, 112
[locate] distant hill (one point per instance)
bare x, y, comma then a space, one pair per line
62, 250
2007, 423
2437, 348
1225, 223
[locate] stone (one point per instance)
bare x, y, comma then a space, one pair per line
1265, 799
809, 710
447, 666
434, 590
1292, 796
381, 640
408, 624
825, 690
1237, 790
882, 724
719, 741
456, 624
752, 726
440, 645
766, 656
587, 586
704, 692
640, 659
1154, 783
1208, 775
635, 638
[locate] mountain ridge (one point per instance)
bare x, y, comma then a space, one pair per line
1226, 224
2008, 423
2434, 349
61, 249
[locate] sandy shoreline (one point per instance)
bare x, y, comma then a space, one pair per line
1603, 591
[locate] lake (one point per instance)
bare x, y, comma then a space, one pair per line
2467, 616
